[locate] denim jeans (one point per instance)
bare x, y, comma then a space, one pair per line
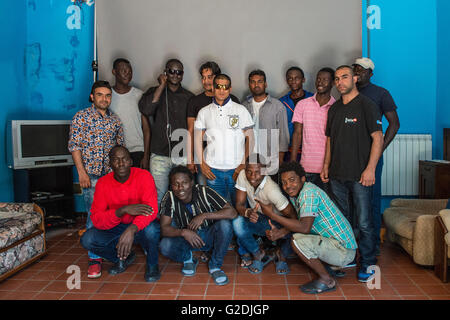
216, 237
376, 202
315, 178
88, 197
223, 184
362, 208
244, 231
104, 242
160, 167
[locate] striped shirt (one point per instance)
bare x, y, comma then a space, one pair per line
204, 199
314, 119
329, 222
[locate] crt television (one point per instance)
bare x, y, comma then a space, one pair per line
38, 143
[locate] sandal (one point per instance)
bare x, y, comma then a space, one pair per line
315, 287
258, 265
217, 275
282, 267
246, 260
190, 268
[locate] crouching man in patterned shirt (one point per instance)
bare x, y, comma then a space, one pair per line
195, 217
124, 211
322, 236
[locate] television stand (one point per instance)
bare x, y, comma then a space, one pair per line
51, 188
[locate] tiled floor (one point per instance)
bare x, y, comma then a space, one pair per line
401, 279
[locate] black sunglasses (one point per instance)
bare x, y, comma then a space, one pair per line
177, 72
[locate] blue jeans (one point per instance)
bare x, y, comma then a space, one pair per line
216, 237
362, 207
223, 184
376, 202
244, 231
104, 242
88, 197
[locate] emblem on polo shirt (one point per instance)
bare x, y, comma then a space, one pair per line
233, 121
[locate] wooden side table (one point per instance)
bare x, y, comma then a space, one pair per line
434, 179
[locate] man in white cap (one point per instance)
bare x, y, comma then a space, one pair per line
363, 68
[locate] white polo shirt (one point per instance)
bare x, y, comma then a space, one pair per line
224, 130
268, 192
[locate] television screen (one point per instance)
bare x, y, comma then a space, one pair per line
44, 140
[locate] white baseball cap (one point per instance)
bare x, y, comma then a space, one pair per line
366, 63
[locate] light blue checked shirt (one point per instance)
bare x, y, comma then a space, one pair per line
329, 222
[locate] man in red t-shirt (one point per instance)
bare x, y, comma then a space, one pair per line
124, 211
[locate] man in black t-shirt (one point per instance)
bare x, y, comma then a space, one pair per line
207, 71
363, 68
354, 145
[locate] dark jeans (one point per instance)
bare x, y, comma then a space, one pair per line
315, 178
376, 202
362, 208
216, 237
244, 230
104, 242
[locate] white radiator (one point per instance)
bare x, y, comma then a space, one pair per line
400, 174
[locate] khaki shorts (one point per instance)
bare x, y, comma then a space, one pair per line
325, 249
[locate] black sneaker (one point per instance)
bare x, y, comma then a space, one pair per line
152, 273
122, 265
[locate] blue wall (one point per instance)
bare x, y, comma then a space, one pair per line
45, 55
12, 91
443, 71
404, 51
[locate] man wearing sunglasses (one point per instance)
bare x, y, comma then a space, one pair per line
207, 71
167, 105
227, 127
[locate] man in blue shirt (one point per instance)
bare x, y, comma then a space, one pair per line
363, 68
295, 78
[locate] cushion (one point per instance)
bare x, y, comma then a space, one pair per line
17, 255
401, 221
18, 227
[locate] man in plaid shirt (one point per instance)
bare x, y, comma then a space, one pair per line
93, 133
322, 235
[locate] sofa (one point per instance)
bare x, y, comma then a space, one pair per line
22, 236
411, 224
442, 245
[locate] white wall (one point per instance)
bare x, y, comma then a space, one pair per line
240, 35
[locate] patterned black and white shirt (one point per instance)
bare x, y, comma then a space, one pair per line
204, 199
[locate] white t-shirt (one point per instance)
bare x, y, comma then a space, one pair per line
126, 107
268, 192
256, 107
224, 130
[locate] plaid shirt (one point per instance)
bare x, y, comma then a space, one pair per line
329, 222
95, 135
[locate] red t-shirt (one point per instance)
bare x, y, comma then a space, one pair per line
111, 195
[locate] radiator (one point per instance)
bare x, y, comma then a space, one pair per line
400, 175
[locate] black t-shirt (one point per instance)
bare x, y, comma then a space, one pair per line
199, 101
380, 96
349, 128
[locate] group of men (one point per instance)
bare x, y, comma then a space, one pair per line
299, 170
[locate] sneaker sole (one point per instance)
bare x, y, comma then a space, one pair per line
366, 280
94, 276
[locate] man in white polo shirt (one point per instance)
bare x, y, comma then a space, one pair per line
229, 135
